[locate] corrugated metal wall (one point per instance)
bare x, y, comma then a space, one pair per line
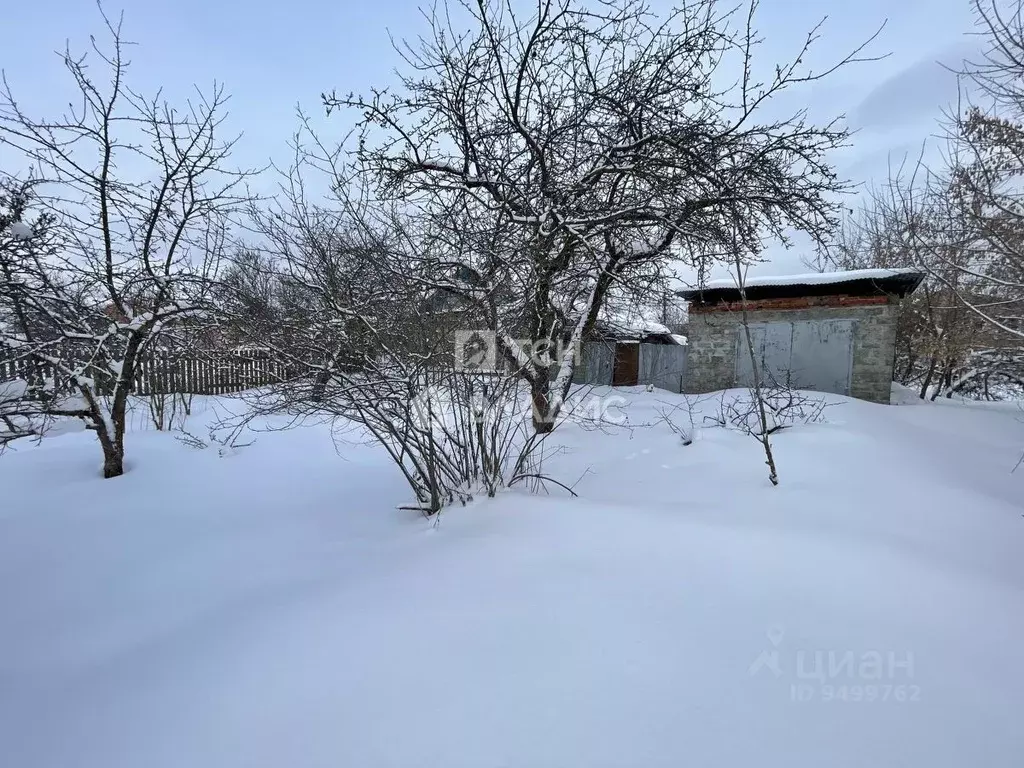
662, 365
808, 354
596, 367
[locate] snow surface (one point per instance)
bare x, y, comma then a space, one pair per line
811, 278
13, 389
273, 608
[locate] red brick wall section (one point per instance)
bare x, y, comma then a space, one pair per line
798, 302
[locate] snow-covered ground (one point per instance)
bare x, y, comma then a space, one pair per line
272, 608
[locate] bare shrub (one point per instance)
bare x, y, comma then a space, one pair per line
782, 406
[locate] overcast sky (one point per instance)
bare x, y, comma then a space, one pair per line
272, 56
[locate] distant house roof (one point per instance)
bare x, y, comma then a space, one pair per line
646, 332
630, 328
857, 282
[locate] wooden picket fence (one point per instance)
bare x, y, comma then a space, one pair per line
214, 373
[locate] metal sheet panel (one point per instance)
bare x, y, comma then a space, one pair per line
772, 348
822, 357
663, 365
778, 350
744, 372
807, 354
596, 367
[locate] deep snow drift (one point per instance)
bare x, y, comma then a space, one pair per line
272, 608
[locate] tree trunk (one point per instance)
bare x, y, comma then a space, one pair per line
323, 377
113, 452
113, 444
949, 382
544, 411
928, 377
764, 439
113, 461
320, 386
909, 370
945, 379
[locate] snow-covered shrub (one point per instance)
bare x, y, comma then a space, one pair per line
14, 421
454, 434
681, 418
783, 408
168, 410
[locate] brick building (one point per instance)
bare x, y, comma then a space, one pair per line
830, 332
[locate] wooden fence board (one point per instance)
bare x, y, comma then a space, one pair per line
163, 373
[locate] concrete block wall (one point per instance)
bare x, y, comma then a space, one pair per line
713, 338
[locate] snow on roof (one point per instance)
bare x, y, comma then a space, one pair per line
633, 326
811, 278
631, 321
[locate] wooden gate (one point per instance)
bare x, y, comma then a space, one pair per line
626, 371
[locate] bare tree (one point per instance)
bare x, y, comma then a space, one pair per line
585, 146
942, 346
962, 222
965, 221
137, 198
20, 385
992, 137
757, 385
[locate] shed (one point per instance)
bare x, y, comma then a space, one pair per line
625, 353
830, 332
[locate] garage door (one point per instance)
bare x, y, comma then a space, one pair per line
813, 354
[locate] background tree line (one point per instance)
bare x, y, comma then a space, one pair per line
962, 222
524, 175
